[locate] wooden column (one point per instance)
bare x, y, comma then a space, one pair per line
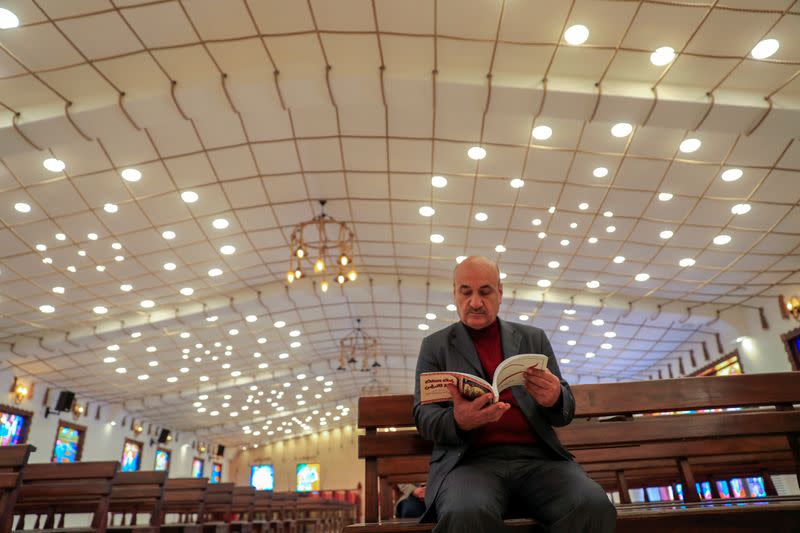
622, 485
714, 490
371, 484
687, 479
385, 497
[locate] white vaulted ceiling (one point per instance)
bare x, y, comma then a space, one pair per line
263, 107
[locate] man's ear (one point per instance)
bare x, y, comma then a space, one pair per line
500, 290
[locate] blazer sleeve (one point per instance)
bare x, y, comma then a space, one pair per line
563, 411
435, 421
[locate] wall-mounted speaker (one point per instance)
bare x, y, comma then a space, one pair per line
220, 450
64, 402
163, 436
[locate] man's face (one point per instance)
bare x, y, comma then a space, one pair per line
478, 294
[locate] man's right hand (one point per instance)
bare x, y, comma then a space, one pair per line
471, 414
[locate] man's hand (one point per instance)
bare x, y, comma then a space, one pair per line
419, 493
543, 386
471, 414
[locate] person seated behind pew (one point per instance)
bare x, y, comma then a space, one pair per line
489, 459
412, 502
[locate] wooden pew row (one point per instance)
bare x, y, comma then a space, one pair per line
630, 438
12, 462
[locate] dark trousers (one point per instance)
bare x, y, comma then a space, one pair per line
524, 481
411, 507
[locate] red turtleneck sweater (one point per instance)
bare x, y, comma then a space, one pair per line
513, 427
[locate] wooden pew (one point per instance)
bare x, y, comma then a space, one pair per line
137, 492
218, 504
242, 510
630, 436
51, 490
12, 462
184, 497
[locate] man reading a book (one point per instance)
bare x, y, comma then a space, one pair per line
491, 461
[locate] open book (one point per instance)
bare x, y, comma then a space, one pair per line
511, 372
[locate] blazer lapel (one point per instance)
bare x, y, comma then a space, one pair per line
462, 342
509, 339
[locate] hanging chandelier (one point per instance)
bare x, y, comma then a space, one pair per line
323, 244
356, 346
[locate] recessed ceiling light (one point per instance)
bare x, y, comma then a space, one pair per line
621, 129
131, 174
283, 355
119, 258
606, 346
126, 287
61, 237
250, 318
100, 310
110, 208
185, 335
279, 324
608, 214
41, 247
666, 234
451, 307
499, 248
619, 259
22, 207
722, 239
439, 181
662, 56
642, 276
147, 304
54, 165
611, 229
598, 322
116, 246
564, 242
476, 152
686, 262
295, 333
592, 240
600, 172
423, 327
481, 216
542, 133
740, 209
732, 174
593, 284
172, 379
690, 145
571, 342
553, 264
168, 234
220, 223
92, 236
665, 196
295, 344
437, 238
589, 355
544, 283
565, 361
214, 272
517, 183
583, 206
542, 235
47, 308
100, 268
262, 340
551, 209
563, 327
58, 290
8, 19
187, 291
205, 378
609, 334
573, 225
110, 359
121, 370
170, 266
142, 377
227, 250
503, 275
183, 370
152, 363
765, 48
524, 317
576, 34
536, 221
189, 197
427, 211
460, 258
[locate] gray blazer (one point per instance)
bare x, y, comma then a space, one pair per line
452, 349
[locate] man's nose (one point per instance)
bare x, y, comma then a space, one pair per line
475, 302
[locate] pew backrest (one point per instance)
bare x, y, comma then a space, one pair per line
138, 492
12, 462
185, 496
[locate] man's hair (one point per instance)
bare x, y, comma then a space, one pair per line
477, 259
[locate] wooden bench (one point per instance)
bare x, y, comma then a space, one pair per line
217, 511
133, 493
628, 437
12, 461
53, 490
242, 504
184, 497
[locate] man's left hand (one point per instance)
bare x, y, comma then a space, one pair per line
543, 386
